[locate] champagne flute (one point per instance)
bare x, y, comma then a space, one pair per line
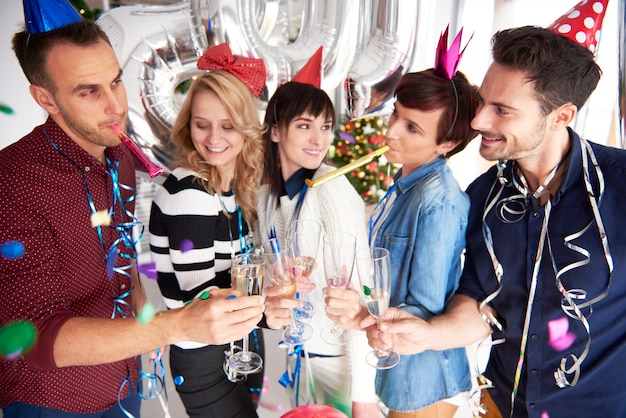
280, 270
304, 238
375, 277
247, 273
339, 253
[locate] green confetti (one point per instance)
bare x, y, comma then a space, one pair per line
146, 314
16, 338
366, 290
205, 295
6, 109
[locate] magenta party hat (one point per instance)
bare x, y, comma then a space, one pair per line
447, 59
582, 23
46, 15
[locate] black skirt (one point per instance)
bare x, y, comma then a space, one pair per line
206, 391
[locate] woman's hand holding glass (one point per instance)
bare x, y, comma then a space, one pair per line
280, 270
303, 239
375, 276
344, 307
247, 274
339, 253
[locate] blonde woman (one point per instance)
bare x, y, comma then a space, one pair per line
200, 219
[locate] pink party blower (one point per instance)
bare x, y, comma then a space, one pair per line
152, 169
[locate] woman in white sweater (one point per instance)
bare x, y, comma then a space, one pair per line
300, 119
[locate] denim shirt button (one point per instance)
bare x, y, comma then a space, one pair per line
533, 405
535, 371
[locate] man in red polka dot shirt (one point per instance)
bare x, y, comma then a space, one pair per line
76, 279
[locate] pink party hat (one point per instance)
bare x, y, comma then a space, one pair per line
46, 15
447, 60
311, 72
582, 23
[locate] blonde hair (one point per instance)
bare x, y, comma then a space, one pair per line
242, 110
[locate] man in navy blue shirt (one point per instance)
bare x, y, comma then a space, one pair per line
546, 243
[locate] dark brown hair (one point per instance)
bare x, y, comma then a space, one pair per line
290, 100
32, 50
427, 92
561, 70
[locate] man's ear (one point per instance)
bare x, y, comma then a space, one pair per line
564, 115
44, 99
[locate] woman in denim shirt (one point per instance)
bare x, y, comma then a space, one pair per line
422, 222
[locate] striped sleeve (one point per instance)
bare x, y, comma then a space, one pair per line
190, 238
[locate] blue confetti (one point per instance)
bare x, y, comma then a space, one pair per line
179, 380
12, 250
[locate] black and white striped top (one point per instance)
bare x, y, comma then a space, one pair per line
191, 239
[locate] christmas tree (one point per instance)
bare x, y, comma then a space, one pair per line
356, 138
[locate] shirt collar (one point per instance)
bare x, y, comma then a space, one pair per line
574, 171
77, 154
294, 185
405, 183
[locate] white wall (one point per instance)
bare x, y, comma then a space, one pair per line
13, 85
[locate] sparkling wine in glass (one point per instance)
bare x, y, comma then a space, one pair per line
339, 253
280, 270
304, 238
247, 273
375, 276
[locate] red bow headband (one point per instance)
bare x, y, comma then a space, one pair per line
251, 71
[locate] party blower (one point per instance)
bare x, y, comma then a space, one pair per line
348, 167
150, 167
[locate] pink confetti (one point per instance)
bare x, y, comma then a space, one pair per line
563, 343
186, 245
545, 415
559, 337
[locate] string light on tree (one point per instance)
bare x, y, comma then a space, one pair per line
356, 138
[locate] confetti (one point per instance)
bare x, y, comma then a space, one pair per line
559, 337
16, 338
179, 380
100, 218
12, 250
366, 290
6, 109
186, 245
148, 269
147, 313
111, 262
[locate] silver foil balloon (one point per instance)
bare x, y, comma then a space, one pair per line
158, 47
386, 47
622, 72
326, 23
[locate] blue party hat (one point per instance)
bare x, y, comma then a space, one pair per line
46, 15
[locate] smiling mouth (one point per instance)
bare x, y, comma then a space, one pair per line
217, 150
313, 152
489, 137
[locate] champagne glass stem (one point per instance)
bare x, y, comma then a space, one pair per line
245, 344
